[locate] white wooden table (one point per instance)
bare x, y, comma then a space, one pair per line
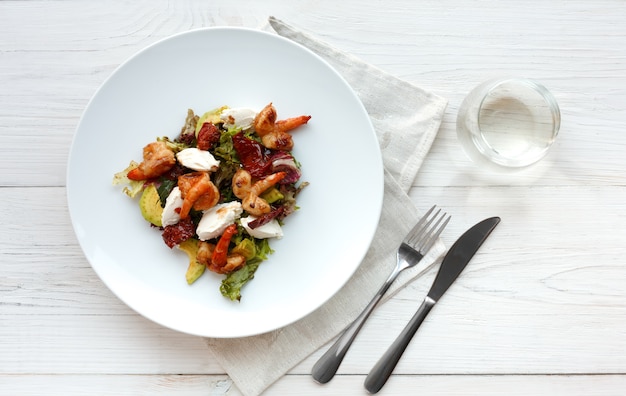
542, 308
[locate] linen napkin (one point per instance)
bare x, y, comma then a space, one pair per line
406, 119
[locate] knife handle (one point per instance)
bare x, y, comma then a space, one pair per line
379, 375
326, 367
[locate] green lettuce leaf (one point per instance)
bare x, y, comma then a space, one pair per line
212, 116
132, 187
233, 283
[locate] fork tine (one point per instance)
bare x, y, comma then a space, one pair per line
423, 236
424, 231
418, 229
433, 238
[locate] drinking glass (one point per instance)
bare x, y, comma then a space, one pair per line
508, 123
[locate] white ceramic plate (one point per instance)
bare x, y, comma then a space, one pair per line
148, 96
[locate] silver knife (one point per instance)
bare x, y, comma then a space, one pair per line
451, 267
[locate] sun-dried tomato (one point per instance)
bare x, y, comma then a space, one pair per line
179, 232
208, 136
252, 155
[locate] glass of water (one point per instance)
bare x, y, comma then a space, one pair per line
508, 123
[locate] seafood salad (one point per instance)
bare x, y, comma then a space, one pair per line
220, 190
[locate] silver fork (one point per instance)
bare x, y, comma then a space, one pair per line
412, 249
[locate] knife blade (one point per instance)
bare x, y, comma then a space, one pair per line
451, 267
459, 255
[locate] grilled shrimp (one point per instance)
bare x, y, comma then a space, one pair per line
278, 140
273, 132
253, 203
209, 199
157, 159
216, 257
197, 191
205, 252
242, 182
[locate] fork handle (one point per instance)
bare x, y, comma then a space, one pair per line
379, 375
326, 367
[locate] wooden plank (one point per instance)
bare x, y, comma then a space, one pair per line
452, 385
118, 385
216, 385
105, 344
